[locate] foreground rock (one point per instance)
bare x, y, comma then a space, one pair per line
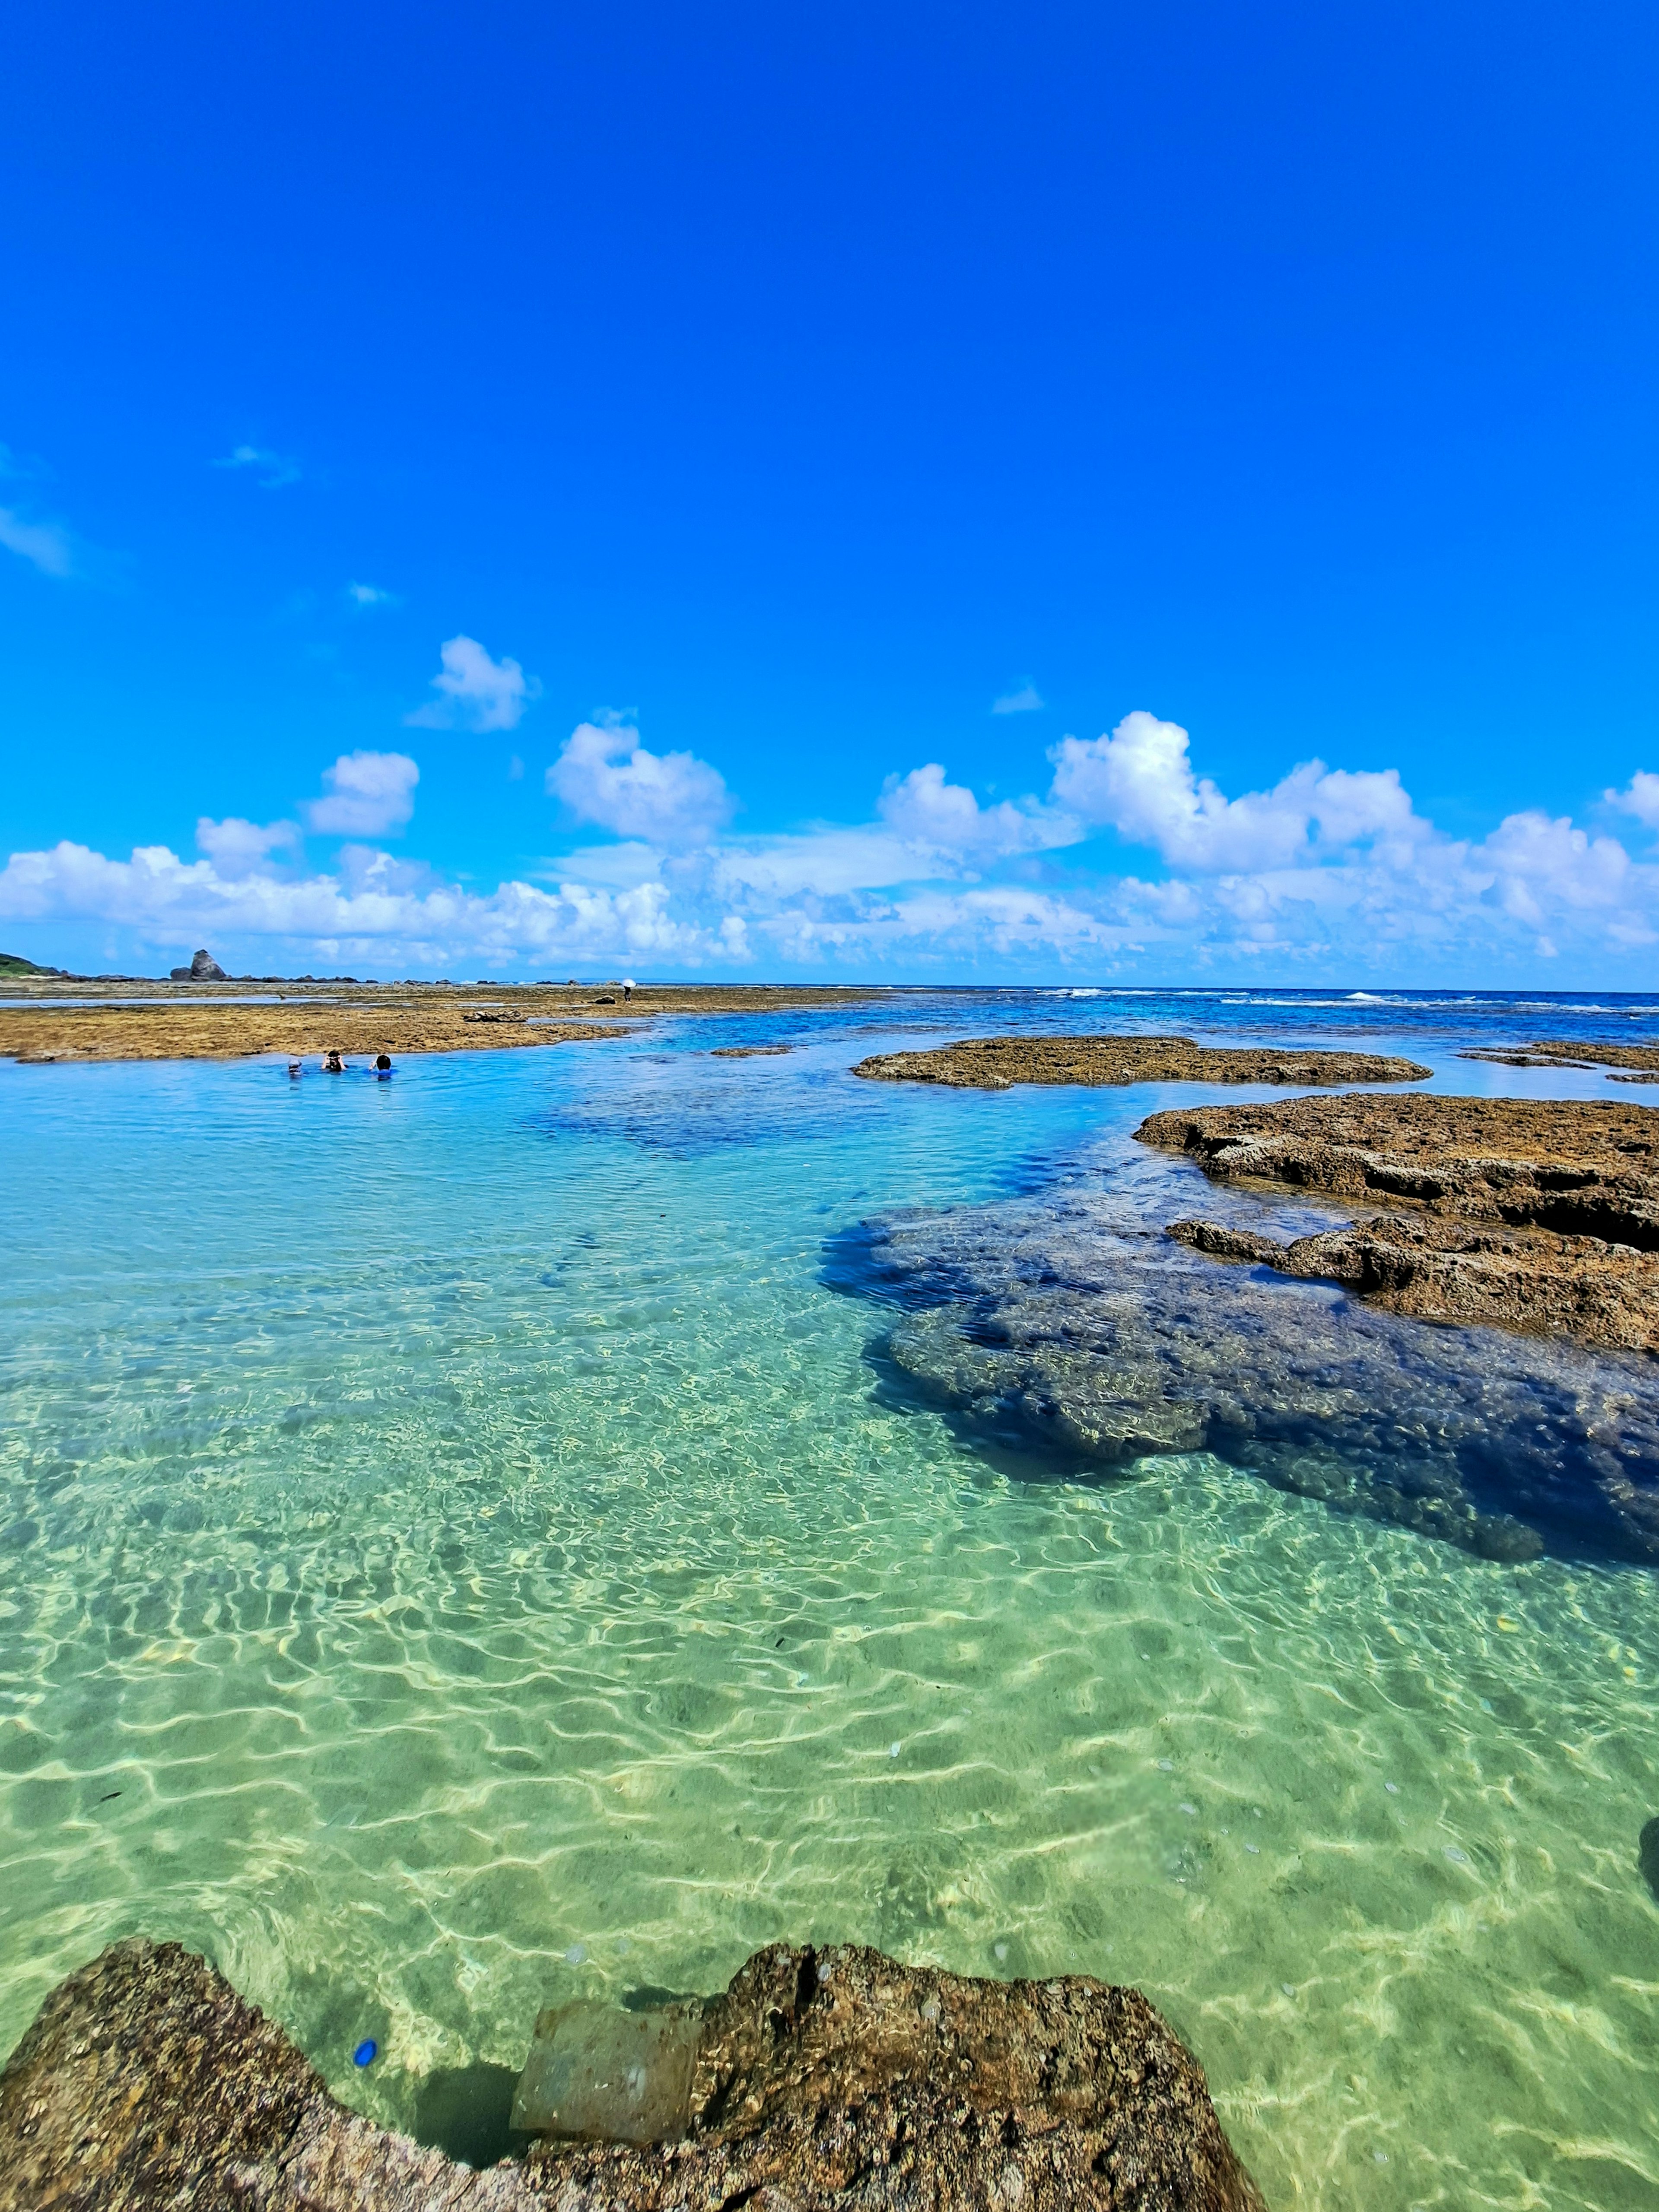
996, 1063
826, 2078
1536, 1214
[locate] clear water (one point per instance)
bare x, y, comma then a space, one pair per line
455, 1554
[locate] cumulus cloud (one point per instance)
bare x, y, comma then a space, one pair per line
1329, 873
1140, 781
236, 847
604, 774
947, 817
371, 595
368, 913
1640, 797
477, 693
1023, 699
43, 544
368, 794
274, 470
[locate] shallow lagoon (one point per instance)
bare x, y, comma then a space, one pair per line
462, 1523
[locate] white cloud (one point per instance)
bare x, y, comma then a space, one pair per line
368, 794
1023, 699
370, 914
43, 543
1329, 873
1640, 799
478, 693
371, 595
947, 817
604, 774
621, 865
276, 469
236, 847
1140, 781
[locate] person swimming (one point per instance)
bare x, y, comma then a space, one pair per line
295, 1071
382, 1065
333, 1064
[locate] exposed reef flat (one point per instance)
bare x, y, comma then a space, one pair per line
995, 1063
831, 2078
1625, 1063
140, 1020
1533, 1214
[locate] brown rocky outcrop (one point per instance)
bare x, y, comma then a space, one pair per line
1639, 1062
1534, 1215
828, 2078
996, 1063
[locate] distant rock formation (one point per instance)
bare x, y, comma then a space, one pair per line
12, 963
203, 969
825, 2081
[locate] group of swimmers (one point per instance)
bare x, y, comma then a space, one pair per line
333, 1063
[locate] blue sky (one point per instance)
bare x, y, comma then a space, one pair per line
729, 408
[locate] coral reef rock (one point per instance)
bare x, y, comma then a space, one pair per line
827, 2078
996, 1063
1533, 1214
1068, 1332
1567, 1052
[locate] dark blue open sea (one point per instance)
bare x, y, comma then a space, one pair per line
470, 1540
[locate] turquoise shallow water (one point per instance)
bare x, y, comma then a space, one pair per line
456, 1552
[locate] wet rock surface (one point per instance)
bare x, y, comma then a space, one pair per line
1642, 1060
995, 1063
823, 2078
1074, 1334
1535, 1214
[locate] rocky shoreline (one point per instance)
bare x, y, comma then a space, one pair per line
998, 1063
207, 1022
1539, 1215
821, 2079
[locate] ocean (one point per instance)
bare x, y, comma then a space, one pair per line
464, 1543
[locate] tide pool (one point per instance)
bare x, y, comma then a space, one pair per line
457, 1551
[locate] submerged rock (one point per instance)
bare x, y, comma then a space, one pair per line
1536, 1214
1073, 1332
995, 1063
594, 2070
823, 2079
1647, 1855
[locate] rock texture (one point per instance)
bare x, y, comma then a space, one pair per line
203, 969
1064, 1331
1642, 1060
1536, 1214
825, 2079
995, 1063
